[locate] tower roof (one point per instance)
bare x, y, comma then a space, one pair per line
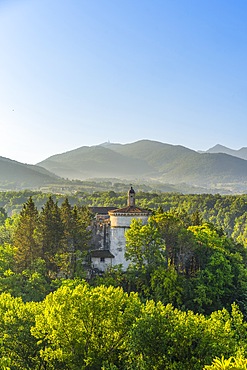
99, 253
130, 210
132, 191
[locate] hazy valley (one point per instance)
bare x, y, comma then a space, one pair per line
168, 167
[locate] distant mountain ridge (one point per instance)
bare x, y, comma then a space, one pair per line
95, 161
240, 153
17, 175
146, 159
217, 170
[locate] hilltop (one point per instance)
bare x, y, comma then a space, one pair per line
16, 175
151, 160
155, 164
240, 153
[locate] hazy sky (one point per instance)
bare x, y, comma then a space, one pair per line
82, 72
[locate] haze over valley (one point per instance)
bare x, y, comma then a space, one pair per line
219, 169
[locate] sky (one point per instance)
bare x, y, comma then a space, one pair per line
82, 72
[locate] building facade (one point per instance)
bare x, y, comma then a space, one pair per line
113, 232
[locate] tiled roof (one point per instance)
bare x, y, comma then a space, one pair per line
101, 210
130, 209
101, 253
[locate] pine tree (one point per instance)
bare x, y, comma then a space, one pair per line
76, 236
51, 233
67, 255
83, 220
3, 215
69, 224
25, 238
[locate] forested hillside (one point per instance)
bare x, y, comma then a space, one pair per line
182, 303
228, 212
240, 153
16, 175
152, 160
153, 164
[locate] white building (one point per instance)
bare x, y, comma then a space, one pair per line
118, 223
101, 259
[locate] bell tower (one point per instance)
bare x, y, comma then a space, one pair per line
120, 220
131, 197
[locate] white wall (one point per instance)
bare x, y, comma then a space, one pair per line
125, 220
102, 266
119, 225
117, 246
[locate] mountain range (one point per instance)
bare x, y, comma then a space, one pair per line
16, 175
218, 169
240, 153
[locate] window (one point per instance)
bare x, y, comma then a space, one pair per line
102, 259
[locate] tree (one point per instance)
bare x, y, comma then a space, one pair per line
83, 327
179, 242
240, 229
146, 253
163, 247
3, 215
50, 235
196, 218
82, 237
7, 230
66, 256
76, 221
234, 363
167, 286
165, 338
220, 276
25, 237
143, 245
18, 347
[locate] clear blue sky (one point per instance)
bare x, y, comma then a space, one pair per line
82, 72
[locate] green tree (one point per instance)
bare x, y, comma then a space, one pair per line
18, 348
82, 237
240, 229
167, 286
66, 256
83, 327
179, 242
30, 284
220, 277
232, 363
196, 218
143, 245
165, 338
146, 253
3, 215
7, 230
25, 237
50, 235
76, 221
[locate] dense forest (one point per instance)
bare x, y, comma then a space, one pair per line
182, 303
226, 211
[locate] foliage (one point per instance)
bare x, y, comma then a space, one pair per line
19, 348
233, 363
187, 273
37, 247
221, 274
3, 215
25, 238
166, 338
194, 267
81, 328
